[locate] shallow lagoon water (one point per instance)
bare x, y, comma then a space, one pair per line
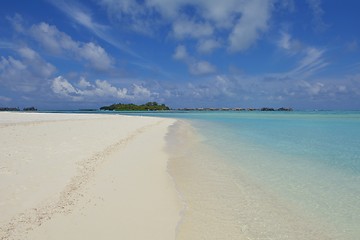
268, 175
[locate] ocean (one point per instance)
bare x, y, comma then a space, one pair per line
267, 175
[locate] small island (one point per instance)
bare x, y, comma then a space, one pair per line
16, 109
150, 106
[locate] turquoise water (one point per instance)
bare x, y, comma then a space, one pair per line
309, 162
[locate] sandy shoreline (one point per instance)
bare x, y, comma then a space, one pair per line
72, 176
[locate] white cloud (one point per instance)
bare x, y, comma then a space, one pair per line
96, 55
83, 83
253, 21
37, 65
100, 89
289, 44
181, 53
51, 38
62, 87
104, 88
207, 45
201, 67
11, 65
59, 42
28, 53
285, 41
141, 91
186, 28
26, 74
196, 67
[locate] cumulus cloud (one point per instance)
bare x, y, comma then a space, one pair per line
196, 67
59, 42
207, 45
28, 53
51, 38
96, 55
26, 73
181, 53
62, 87
201, 67
103, 88
254, 19
83, 83
100, 89
287, 43
141, 91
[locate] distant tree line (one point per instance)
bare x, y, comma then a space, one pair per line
150, 106
10, 109
30, 109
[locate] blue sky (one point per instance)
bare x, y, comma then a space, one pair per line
57, 54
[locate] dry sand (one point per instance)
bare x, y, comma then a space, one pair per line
67, 176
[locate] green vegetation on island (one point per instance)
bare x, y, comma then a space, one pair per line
150, 106
16, 109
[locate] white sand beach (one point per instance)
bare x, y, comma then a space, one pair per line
80, 176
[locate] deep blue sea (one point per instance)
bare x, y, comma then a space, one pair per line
267, 175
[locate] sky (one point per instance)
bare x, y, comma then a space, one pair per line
60, 54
